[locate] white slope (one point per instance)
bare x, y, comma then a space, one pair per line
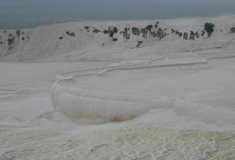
53, 42
166, 99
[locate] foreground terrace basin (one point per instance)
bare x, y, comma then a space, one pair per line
199, 88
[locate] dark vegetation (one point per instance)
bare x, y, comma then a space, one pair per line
111, 33
18, 32
232, 30
151, 30
70, 33
10, 40
149, 27
115, 30
209, 28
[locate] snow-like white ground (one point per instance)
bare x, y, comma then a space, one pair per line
170, 99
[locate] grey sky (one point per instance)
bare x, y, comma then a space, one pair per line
37, 12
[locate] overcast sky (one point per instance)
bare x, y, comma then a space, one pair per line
100, 3
171, 6
38, 12
143, 4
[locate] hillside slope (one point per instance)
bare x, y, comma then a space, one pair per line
116, 40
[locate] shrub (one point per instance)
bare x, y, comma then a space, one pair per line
111, 34
115, 30
232, 30
70, 33
149, 27
18, 32
209, 28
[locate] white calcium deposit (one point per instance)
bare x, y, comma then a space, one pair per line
85, 96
